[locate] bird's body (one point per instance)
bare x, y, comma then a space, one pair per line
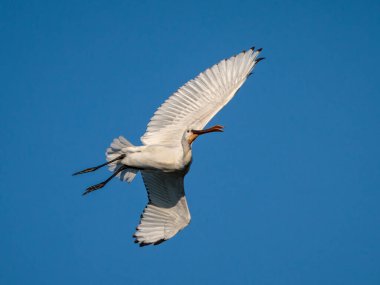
166, 154
157, 157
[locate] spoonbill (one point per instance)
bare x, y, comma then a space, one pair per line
166, 154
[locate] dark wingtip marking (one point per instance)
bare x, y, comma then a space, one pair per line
260, 59
259, 49
143, 244
252, 48
159, 241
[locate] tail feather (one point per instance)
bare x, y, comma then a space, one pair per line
115, 150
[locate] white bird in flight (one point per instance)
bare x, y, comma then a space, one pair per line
165, 156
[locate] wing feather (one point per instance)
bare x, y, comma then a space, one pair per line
195, 103
167, 212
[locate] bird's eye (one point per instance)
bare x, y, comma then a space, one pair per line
188, 131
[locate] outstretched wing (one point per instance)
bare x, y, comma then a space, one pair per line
167, 212
195, 103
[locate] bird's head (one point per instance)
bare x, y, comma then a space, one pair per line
192, 134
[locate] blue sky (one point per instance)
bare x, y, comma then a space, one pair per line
288, 194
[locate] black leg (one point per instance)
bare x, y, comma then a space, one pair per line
91, 169
102, 184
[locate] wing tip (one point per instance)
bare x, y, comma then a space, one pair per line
259, 59
159, 241
143, 243
253, 49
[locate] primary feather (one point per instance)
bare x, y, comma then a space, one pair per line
195, 103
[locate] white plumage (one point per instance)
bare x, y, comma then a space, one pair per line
165, 156
195, 103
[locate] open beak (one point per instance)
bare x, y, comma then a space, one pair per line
217, 128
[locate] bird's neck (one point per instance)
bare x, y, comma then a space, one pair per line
186, 152
186, 146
